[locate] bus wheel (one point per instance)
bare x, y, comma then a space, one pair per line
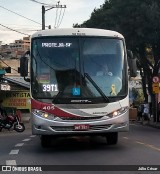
45, 141
112, 138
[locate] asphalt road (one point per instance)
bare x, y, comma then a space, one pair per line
140, 146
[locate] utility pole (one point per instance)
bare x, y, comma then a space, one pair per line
47, 8
43, 17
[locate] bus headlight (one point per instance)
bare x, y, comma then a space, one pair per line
118, 112
43, 114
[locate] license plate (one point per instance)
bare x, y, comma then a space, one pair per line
81, 127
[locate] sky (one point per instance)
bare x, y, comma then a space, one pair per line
76, 11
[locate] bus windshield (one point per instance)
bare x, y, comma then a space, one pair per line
71, 69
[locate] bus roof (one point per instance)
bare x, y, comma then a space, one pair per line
77, 32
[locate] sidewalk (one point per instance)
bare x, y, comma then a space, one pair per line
150, 123
26, 117
154, 124
26, 120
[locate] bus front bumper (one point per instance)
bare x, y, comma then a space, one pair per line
42, 126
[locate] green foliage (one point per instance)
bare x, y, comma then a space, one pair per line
138, 95
138, 21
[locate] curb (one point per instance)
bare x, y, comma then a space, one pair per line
26, 120
150, 124
155, 125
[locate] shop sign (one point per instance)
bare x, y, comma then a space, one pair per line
155, 88
5, 87
20, 100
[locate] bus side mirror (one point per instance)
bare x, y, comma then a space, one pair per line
24, 66
132, 64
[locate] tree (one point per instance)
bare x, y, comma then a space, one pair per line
138, 21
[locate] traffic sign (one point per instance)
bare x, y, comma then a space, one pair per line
155, 88
155, 79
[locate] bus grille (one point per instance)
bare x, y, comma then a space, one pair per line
71, 128
81, 118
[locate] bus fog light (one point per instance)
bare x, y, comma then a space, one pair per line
45, 115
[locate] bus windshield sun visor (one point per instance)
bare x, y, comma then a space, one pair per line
97, 87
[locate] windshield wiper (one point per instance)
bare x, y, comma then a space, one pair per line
58, 95
97, 87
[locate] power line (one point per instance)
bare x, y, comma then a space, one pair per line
21, 25
14, 30
56, 17
53, 0
61, 18
7, 65
58, 20
49, 8
20, 15
24, 29
40, 2
19, 28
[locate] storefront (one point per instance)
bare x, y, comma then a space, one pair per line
15, 95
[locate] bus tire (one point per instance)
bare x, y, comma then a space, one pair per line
45, 141
112, 138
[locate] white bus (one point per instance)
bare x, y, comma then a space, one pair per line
79, 83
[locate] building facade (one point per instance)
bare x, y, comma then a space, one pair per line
16, 49
14, 90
